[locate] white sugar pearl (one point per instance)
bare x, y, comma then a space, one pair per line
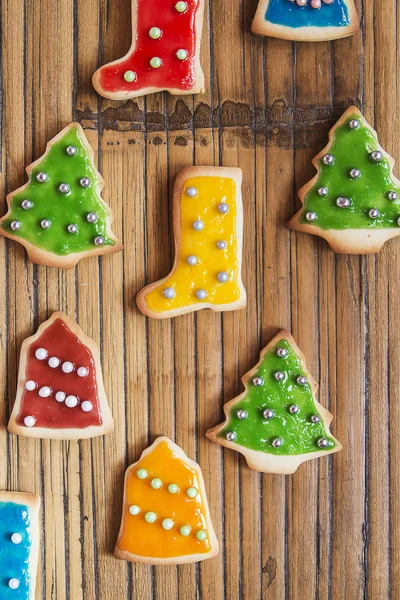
41, 353
82, 372
223, 208
201, 294
60, 396
221, 245
71, 401
169, 293
192, 260
30, 385
67, 367
198, 225
16, 538
15, 225
192, 192
54, 362
29, 421
86, 406
44, 391
13, 584
223, 277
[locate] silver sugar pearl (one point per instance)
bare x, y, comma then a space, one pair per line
91, 217
323, 442
294, 409
376, 156
192, 192
99, 240
277, 442
355, 173
85, 182
258, 381
279, 376
71, 150
223, 208
15, 225
329, 160
374, 213
268, 413
221, 245
45, 224
223, 277
322, 191
354, 124
231, 436
301, 380
72, 228
64, 188
398, 221
169, 293
192, 260
392, 196
282, 352
343, 202
315, 419
42, 177
201, 294
242, 414
27, 204
311, 216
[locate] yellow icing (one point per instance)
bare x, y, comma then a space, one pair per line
187, 279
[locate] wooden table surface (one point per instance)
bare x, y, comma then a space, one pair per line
328, 532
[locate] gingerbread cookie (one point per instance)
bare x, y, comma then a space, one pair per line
306, 20
165, 52
277, 423
208, 230
19, 545
60, 393
59, 215
165, 517
354, 199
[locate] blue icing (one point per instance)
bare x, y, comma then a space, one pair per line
14, 558
290, 14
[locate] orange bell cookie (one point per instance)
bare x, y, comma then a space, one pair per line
208, 230
165, 517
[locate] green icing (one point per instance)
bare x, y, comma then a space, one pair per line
351, 149
61, 209
298, 433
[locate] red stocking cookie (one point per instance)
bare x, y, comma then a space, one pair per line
164, 54
165, 517
60, 392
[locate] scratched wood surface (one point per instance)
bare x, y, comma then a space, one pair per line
328, 532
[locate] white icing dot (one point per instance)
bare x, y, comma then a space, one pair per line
82, 372
29, 421
16, 538
71, 401
54, 362
13, 583
86, 406
30, 385
41, 353
44, 391
67, 367
60, 396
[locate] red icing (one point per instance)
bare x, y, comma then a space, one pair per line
59, 341
178, 32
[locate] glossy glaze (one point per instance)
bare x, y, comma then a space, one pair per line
203, 244
61, 209
297, 431
14, 558
60, 342
351, 150
290, 14
178, 32
151, 539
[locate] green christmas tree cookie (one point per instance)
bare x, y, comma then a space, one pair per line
277, 423
59, 215
354, 200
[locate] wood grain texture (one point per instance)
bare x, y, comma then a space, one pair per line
329, 532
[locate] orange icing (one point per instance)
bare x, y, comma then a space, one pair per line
186, 279
150, 539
